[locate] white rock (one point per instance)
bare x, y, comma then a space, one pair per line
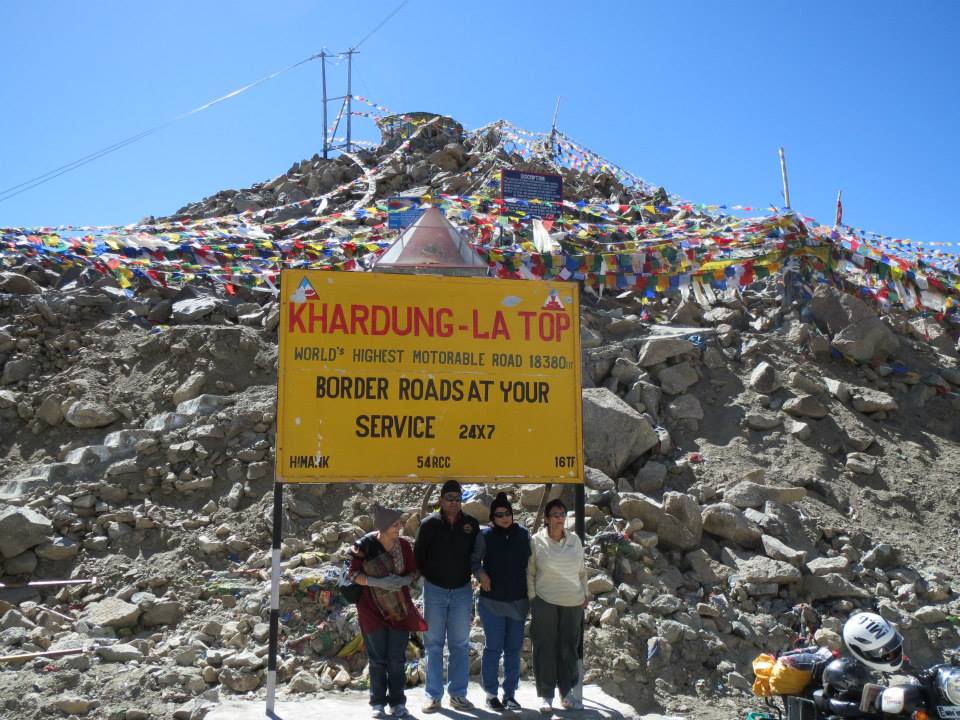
86, 414
111, 612
20, 529
599, 584
827, 565
120, 653
861, 463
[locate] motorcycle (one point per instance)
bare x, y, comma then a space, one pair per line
934, 694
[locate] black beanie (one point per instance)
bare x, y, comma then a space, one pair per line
500, 501
450, 486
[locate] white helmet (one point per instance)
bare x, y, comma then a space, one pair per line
874, 642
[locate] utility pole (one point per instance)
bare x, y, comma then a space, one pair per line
350, 53
786, 184
323, 66
553, 129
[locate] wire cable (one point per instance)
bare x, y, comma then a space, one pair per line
26, 185
46, 177
382, 23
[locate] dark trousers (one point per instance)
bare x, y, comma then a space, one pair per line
555, 631
387, 651
502, 636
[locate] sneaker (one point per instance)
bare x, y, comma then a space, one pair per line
399, 711
378, 711
493, 703
511, 704
431, 705
460, 703
571, 703
546, 705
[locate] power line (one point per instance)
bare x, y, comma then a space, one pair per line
382, 23
26, 185
46, 177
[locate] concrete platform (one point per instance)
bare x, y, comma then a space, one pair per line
354, 705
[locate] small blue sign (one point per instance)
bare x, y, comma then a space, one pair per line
402, 212
518, 188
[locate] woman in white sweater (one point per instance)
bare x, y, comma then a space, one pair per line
557, 586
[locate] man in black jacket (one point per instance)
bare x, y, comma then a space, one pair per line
443, 548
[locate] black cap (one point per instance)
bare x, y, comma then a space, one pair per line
500, 501
450, 486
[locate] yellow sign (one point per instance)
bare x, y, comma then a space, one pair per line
399, 378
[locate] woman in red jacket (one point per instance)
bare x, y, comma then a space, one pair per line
383, 563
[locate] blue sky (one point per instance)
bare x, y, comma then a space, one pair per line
696, 96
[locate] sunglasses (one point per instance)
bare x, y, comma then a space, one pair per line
503, 513
452, 498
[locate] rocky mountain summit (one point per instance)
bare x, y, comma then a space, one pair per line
761, 462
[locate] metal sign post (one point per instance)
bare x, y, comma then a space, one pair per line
786, 183
275, 557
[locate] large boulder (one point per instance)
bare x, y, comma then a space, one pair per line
760, 569
765, 379
675, 379
725, 316
728, 522
705, 569
650, 477
779, 550
192, 309
827, 565
686, 511
868, 400
676, 531
685, 407
833, 310
190, 388
854, 326
597, 480
16, 284
51, 409
805, 406
861, 463
826, 587
747, 494
867, 341
638, 506
850, 429
614, 434
161, 612
22, 529
658, 350
120, 653
111, 612
61, 548
86, 414
17, 369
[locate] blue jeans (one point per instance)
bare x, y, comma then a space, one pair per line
387, 651
447, 613
503, 636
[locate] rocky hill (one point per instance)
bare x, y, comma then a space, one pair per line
764, 456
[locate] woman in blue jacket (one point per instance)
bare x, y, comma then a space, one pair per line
499, 560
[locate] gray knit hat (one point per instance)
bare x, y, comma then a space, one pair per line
384, 517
